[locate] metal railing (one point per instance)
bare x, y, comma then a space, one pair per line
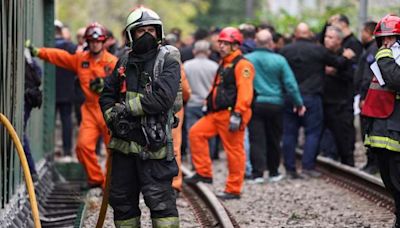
21, 20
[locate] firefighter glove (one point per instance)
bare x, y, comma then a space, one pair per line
97, 85
32, 49
234, 121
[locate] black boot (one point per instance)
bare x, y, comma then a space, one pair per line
227, 196
198, 178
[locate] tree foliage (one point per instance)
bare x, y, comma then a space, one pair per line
190, 14
112, 14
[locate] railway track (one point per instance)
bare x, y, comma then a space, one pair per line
365, 185
208, 209
61, 202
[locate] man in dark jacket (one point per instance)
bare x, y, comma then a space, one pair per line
363, 78
308, 61
349, 40
64, 91
32, 99
137, 102
337, 99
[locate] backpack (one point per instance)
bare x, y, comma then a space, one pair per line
33, 95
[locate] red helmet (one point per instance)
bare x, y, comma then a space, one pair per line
95, 31
231, 35
389, 25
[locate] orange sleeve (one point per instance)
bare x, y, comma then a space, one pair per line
60, 58
186, 90
244, 75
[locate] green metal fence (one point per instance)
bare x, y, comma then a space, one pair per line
21, 20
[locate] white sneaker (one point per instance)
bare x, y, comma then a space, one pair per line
95, 192
65, 159
257, 180
276, 178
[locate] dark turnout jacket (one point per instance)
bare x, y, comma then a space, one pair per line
308, 61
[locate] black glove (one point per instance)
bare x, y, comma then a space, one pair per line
118, 122
175, 122
234, 121
155, 134
97, 85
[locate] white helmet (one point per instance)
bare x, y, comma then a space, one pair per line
139, 17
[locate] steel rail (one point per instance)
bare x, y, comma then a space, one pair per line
211, 200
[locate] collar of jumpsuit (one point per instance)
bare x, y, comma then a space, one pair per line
229, 58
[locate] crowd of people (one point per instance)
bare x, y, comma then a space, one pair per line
246, 90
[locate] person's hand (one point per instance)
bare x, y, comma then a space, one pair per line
204, 109
300, 110
361, 104
234, 121
32, 49
348, 53
330, 70
97, 85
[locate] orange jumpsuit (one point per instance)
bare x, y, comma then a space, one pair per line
93, 124
177, 132
217, 123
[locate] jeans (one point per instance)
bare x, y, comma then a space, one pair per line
27, 149
312, 121
192, 115
247, 149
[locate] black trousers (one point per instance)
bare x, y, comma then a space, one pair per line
65, 110
339, 118
389, 167
265, 128
130, 175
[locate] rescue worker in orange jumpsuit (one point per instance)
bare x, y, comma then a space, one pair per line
228, 112
177, 132
382, 108
90, 67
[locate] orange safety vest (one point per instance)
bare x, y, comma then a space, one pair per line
379, 102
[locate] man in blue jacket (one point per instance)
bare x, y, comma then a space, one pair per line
273, 77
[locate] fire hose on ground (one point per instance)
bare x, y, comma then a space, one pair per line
25, 167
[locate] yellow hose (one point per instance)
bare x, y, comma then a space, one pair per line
104, 202
25, 167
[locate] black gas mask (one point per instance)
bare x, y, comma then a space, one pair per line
144, 44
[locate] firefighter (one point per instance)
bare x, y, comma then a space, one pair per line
382, 108
138, 102
228, 112
91, 67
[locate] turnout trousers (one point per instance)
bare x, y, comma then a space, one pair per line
389, 167
217, 123
131, 175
